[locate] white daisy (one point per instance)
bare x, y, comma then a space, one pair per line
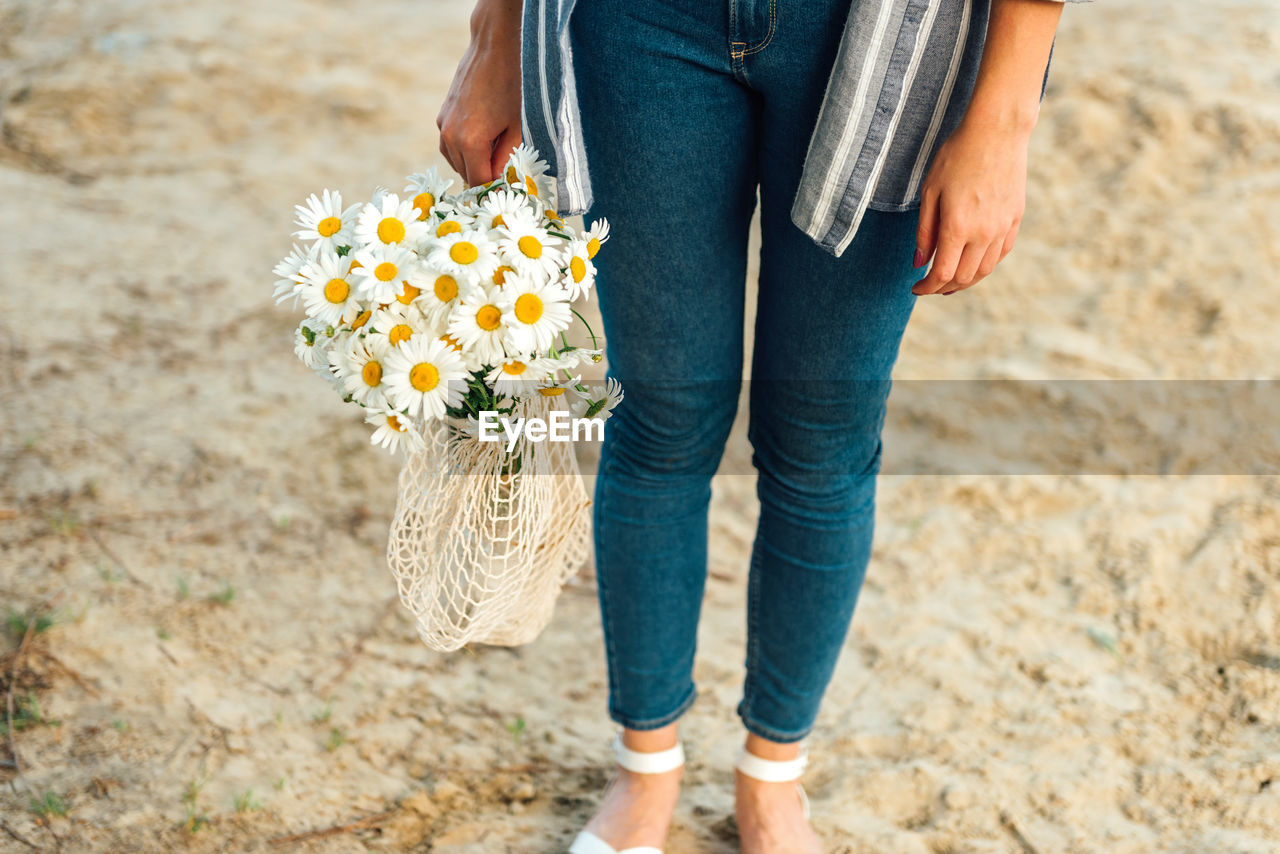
383, 271
393, 429
526, 172
552, 387
554, 221
596, 236
389, 221
395, 328
323, 220
327, 293
424, 375
516, 377
477, 324
534, 313
427, 189
453, 222
530, 249
337, 359
597, 401
496, 208
289, 271
309, 345
363, 369
580, 273
468, 254
568, 360
440, 294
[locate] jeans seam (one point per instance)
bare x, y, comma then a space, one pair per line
753, 637
773, 19
610, 652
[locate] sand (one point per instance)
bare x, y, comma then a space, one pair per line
1042, 663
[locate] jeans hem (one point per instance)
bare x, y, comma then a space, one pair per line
772, 734
658, 722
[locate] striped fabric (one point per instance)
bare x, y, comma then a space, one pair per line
899, 86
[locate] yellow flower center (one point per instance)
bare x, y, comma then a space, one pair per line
530, 246
371, 373
578, 268
361, 319
515, 369
551, 392
424, 202
329, 226
337, 290
410, 294
512, 175
488, 317
391, 230
452, 342
394, 424
593, 246
424, 376
448, 227
500, 275
528, 308
464, 252
446, 288
354, 264
385, 272
531, 187
400, 332
498, 220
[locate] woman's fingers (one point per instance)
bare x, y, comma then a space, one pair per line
927, 229
477, 153
988, 258
1010, 238
507, 141
945, 261
449, 156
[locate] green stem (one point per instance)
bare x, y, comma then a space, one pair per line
594, 344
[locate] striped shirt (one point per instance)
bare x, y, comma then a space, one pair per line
901, 81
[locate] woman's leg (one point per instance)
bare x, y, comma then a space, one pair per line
670, 139
827, 334
826, 338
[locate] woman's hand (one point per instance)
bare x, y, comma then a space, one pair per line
973, 197
971, 205
480, 119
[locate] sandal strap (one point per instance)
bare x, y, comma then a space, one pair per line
648, 762
772, 770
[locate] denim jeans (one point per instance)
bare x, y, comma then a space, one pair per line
688, 106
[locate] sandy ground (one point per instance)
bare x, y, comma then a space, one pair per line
1048, 663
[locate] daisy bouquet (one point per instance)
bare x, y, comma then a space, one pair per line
436, 313
434, 306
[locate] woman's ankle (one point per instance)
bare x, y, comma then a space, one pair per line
773, 750
651, 740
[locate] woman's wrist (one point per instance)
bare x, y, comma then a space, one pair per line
1002, 114
495, 20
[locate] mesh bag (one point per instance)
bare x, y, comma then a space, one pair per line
483, 541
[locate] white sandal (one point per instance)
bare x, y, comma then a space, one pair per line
776, 770
651, 762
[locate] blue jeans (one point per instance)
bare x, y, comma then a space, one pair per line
688, 105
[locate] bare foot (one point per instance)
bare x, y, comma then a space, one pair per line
637, 808
770, 816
